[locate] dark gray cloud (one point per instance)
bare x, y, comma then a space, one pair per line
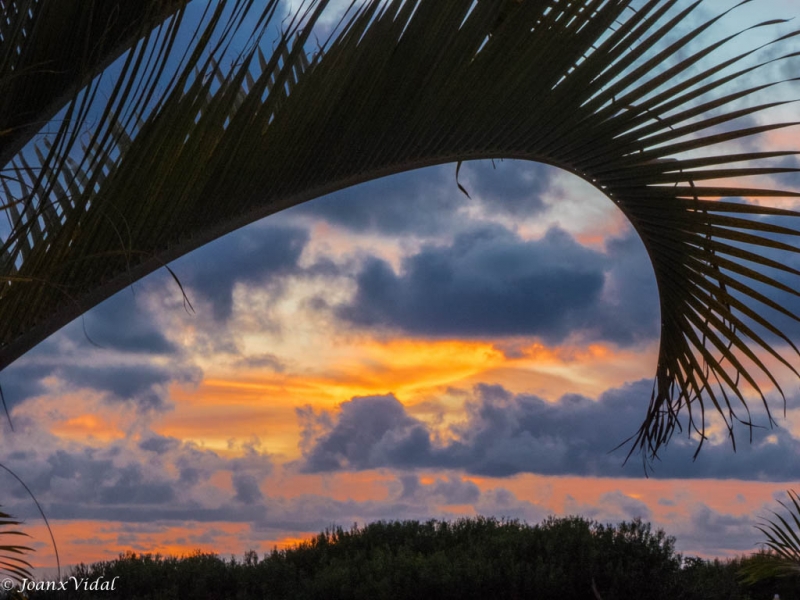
144, 384
90, 477
129, 486
23, 380
628, 311
110, 350
513, 187
119, 324
117, 481
105, 482
246, 487
159, 444
505, 434
255, 255
425, 202
370, 431
111, 484
486, 283
118, 327
489, 282
74, 475
422, 202
195, 465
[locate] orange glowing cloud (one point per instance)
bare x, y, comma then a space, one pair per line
405, 366
552, 371
83, 417
262, 404
88, 427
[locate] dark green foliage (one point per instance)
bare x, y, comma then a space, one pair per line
469, 558
703, 579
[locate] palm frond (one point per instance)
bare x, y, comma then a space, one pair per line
601, 88
782, 558
12, 562
50, 50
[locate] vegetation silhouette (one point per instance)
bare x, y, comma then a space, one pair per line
479, 558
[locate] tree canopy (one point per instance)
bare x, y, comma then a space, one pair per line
559, 559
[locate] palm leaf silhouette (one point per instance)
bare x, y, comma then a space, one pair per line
782, 558
184, 150
11, 561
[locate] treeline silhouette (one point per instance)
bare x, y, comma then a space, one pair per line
561, 558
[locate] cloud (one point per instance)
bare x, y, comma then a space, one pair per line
487, 283
612, 506
628, 310
261, 361
708, 531
370, 431
513, 187
154, 478
503, 503
143, 383
159, 444
631, 508
120, 324
257, 255
23, 380
130, 487
423, 202
504, 434
246, 487
413, 495
427, 202
124, 355
451, 490
147, 478
123, 324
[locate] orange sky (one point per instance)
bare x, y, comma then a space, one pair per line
86, 541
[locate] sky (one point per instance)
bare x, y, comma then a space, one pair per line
395, 350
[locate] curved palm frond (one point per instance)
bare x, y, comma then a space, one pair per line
783, 544
11, 561
601, 88
50, 50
